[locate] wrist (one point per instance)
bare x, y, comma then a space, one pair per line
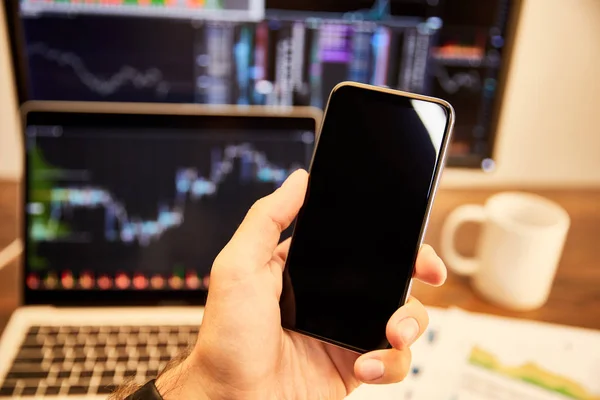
183, 382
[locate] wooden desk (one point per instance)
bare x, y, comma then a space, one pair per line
575, 298
9, 292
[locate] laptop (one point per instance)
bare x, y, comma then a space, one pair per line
125, 208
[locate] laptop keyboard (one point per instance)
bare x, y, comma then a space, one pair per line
91, 359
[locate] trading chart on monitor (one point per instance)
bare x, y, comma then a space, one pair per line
274, 53
132, 208
186, 9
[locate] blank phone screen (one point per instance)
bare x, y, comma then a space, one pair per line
358, 233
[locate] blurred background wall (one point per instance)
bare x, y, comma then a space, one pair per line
549, 133
10, 153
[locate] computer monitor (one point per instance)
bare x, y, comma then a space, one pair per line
133, 202
280, 52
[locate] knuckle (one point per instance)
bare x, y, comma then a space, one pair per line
258, 206
226, 268
262, 209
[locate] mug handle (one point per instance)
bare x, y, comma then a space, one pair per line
456, 262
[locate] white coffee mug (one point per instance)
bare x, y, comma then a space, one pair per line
518, 251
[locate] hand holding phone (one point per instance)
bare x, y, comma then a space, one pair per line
373, 178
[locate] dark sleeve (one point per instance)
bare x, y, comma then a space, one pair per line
146, 392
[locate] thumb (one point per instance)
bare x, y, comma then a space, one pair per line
256, 238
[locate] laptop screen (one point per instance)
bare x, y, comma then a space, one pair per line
141, 203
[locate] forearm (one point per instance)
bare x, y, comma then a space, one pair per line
173, 382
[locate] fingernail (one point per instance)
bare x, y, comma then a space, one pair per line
409, 329
371, 370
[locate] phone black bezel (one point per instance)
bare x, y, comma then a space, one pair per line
396, 96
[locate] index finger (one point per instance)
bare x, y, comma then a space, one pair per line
256, 238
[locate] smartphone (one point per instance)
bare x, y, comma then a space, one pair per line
372, 181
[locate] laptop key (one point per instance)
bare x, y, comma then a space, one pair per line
27, 368
63, 374
7, 390
32, 342
78, 389
130, 372
108, 374
57, 350
33, 330
67, 329
48, 330
58, 360
86, 374
27, 375
30, 355
29, 391
80, 353
52, 390
152, 373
